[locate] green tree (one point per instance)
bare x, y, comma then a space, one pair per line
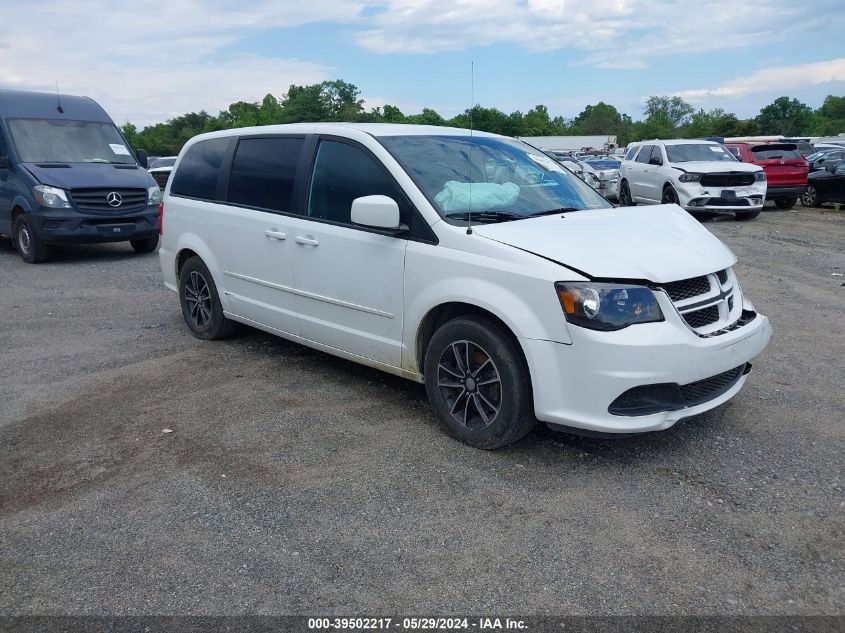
829, 119
130, 133
672, 109
601, 118
785, 116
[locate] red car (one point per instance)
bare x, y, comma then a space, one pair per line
785, 167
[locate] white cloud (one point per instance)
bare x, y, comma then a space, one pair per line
772, 80
146, 61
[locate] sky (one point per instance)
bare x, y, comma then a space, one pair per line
146, 62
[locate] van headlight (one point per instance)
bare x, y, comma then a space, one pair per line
607, 307
51, 197
153, 195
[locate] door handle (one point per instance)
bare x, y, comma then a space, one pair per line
273, 234
306, 240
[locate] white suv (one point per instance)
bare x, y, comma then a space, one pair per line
697, 175
466, 261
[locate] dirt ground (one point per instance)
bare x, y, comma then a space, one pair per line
294, 482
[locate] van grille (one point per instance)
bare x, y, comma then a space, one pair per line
727, 180
696, 393
706, 303
98, 199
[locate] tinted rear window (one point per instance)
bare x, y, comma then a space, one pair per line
198, 172
775, 152
264, 171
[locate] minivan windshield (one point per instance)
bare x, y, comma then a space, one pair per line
493, 179
63, 141
689, 152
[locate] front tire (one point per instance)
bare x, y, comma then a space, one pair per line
785, 203
478, 383
810, 197
625, 198
146, 245
746, 215
200, 302
30, 247
670, 196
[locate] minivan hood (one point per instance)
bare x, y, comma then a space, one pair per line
715, 166
658, 243
85, 175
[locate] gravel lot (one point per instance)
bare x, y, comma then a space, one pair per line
294, 482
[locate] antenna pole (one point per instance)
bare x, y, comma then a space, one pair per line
58, 99
471, 106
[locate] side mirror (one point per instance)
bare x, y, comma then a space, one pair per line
141, 155
5, 162
378, 212
655, 160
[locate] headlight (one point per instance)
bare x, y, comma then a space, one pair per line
607, 307
153, 195
760, 176
690, 177
52, 197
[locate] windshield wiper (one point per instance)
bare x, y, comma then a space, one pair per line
554, 211
494, 216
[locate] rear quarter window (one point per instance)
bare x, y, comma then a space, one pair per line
629, 155
200, 168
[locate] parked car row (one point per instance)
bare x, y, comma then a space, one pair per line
785, 167
694, 174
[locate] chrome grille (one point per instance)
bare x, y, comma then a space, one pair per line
98, 199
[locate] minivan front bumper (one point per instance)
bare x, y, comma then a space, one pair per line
577, 385
71, 226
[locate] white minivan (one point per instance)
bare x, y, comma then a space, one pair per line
469, 262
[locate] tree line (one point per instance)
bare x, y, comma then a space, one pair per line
338, 100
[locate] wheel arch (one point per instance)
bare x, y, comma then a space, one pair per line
448, 311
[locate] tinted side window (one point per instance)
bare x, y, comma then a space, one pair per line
629, 155
341, 174
645, 154
3, 149
197, 174
263, 172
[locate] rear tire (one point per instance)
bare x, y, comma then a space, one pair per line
785, 203
30, 247
146, 245
625, 198
201, 307
478, 383
747, 215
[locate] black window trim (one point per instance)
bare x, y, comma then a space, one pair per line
419, 224
296, 206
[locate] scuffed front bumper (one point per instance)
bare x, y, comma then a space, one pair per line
694, 197
575, 385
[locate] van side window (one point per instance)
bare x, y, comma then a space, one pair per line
341, 174
264, 171
645, 154
196, 176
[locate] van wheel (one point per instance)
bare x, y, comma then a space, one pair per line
747, 215
670, 196
200, 302
147, 245
625, 199
478, 384
785, 203
30, 247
